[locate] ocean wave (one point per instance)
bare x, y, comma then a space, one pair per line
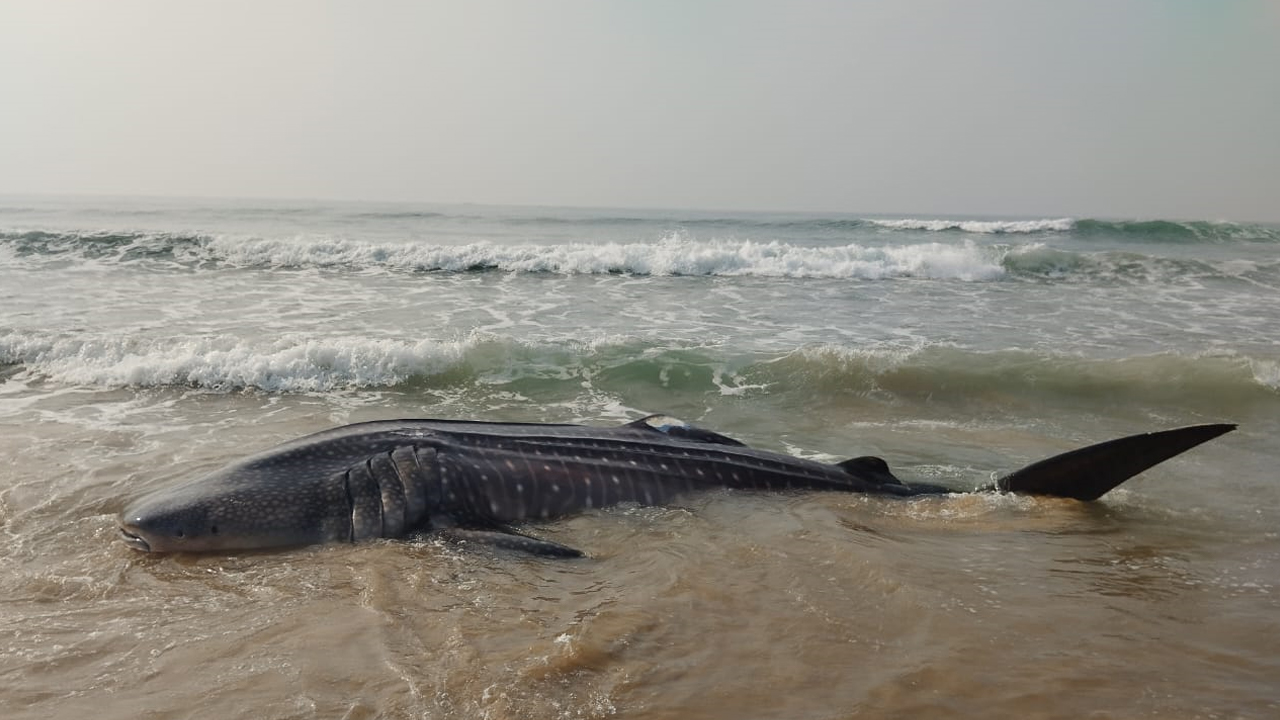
677, 254
1141, 231
984, 227
400, 215
211, 216
229, 363
303, 364
118, 246
1146, 231
674, 255
1173, 231
1040, 262
943, 373
924, 375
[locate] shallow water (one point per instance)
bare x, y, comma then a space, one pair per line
976, 349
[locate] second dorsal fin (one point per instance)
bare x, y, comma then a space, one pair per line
870, 468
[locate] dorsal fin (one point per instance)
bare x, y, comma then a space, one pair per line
677, 428
1088, 473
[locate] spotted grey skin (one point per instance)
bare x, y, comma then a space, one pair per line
469, 480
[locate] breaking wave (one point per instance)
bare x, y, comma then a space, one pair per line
982, 251
674, 255
1142, 231
929, 374
984, 227
229, 363
212, 217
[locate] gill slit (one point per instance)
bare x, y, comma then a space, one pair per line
368, 466
406, 522
351, 507
426, 493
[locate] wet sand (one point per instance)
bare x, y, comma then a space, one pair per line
728, 605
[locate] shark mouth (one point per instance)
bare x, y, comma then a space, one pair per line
137, 542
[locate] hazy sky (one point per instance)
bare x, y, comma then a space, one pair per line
1134, 108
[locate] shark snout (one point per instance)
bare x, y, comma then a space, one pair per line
148, 527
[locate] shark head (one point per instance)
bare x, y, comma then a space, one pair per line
216, 513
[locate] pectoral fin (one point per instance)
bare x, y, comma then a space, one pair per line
506, 539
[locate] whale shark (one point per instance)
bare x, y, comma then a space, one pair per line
472, 481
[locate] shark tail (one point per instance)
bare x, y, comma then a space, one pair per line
1090, 472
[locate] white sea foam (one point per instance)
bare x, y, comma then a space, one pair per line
225, 362
986, 227
1266, 373
674, 255
298, 363
293, 363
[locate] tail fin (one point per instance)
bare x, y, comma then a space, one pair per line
1089, 473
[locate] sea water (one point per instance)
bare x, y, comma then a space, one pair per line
148, 340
